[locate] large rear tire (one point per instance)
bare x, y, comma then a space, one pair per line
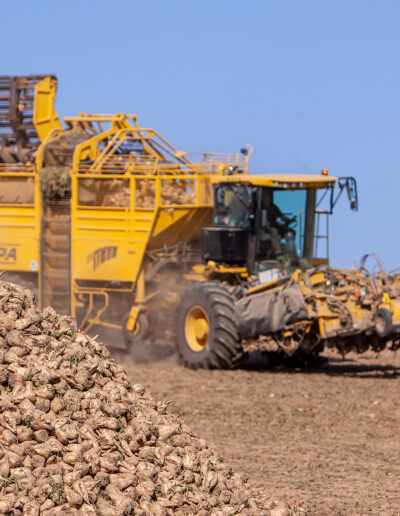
206, 328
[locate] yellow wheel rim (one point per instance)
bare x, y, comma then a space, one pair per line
135, 330
196, 328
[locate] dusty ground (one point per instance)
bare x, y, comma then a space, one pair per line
328, 436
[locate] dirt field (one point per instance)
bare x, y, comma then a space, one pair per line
327, 437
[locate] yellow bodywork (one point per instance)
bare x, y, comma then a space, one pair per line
158, 202
20, 199
341, 307
20, 218
126, 205
283, 181
45, 117
122, 205
108, 237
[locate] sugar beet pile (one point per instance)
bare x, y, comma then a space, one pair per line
76, 437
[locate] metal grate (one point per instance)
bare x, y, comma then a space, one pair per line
104, 192
178, 191
17, 190
206, 192
145, 194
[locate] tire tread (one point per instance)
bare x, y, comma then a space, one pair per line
225, 352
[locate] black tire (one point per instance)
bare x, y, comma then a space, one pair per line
141, 329
220, 348
383, 322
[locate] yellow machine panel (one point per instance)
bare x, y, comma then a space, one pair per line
20, 219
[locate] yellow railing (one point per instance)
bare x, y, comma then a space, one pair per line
16, 168
148, 165
108, 152
112, 191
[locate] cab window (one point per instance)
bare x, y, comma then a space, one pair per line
292, 203
232, 205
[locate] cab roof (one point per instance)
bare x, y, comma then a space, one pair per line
280, 181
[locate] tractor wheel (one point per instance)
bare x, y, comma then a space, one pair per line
140, 330
383, 322
206, 328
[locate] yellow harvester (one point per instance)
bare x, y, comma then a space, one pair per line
114, 225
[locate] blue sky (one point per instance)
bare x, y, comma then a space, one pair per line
311, 84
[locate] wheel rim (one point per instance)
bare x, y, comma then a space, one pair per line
196, 328
136, 328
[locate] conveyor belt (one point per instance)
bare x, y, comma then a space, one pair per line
18, 136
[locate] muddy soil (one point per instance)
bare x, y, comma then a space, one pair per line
326, 437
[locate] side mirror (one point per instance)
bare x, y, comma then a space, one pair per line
350, 185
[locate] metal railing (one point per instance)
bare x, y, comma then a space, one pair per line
16, 168
142, 192
148, 165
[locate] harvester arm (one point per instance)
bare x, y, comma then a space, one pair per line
350, 310
45, 117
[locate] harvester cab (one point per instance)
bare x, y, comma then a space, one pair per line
266, 227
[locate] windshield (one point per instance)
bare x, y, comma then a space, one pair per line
292, 204
232, 204
281, 234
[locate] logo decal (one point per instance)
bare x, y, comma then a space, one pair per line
99, 256
8, 254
